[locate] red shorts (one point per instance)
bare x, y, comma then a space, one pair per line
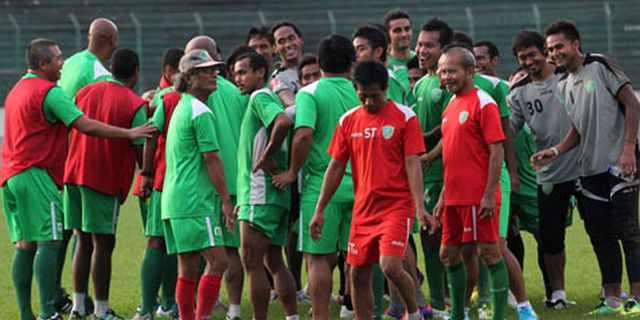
385, 238
462, 224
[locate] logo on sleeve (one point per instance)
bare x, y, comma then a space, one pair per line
462, 118
387, 131
436, 95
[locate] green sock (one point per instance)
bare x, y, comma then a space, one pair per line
44, 267
377, 287
151, 273
499, 280
21, 273
168, 297
484, 290
457, 279
435, 277
62, 254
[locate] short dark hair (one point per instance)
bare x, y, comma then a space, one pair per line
491, 47
368, 73
375, 36
39, 50
445, 32
257, 62
335, 54
285, 23
565, 27
124, 63
413, 63
259, 32
171, 57
461, 39
395, 15
306, 60
236, 52
525, 39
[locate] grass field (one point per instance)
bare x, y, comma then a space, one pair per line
582, 279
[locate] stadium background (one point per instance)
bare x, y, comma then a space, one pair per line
151, 26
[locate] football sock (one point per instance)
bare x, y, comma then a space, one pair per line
151, 273
422, 302
499, 280
208, 291
378, 291
78, 303
44, 266
186, 297
235, 311
292, 317
346, 301
484, 289
21, 274
169, 278
457, 280
102, 306
395, 305
435, 277
414, 316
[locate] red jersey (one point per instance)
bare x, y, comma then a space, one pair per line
377, 145
470, 123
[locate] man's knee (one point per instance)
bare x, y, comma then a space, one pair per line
490, 253
104, 243
391, 266
450, 256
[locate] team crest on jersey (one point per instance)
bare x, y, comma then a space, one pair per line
462, 118
436, 94
590, 86
387, 131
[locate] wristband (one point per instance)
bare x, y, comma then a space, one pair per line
555, 151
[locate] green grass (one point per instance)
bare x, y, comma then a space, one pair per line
582, 278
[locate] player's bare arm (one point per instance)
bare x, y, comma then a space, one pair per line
300, 147
414, 176
102, 130
488, 202
510, 153
437, 209
433, 136
146, 171
544, 157
280, 128
287, 97
216, 173
332, 177
627, 160
428, 158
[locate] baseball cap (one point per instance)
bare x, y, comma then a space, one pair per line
197, 59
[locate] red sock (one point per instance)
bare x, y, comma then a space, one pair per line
186, 297
207, 296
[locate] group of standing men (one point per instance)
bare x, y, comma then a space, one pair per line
321, 155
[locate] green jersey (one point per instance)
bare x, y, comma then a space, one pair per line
81, 69
431, 100
320, 106
188, 191
399, 68
228, 106
255, 188
395, 90
525, 148
497, 89
57, 106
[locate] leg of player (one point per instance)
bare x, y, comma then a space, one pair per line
254, 247
151, 272
396, 307
209, 286
498, 276
81, 270
361, 293
188, 270
451, 256
470, 257
630, 238
63, 303
21, 274
434, 268
283, 281
103, 245
394, 271
44, 269
516, 283
320, 282
234, 281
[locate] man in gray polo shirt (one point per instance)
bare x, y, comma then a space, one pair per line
604, 113
535, 107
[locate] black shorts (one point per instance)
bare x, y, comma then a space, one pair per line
555, 207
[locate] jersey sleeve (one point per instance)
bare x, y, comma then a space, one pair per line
139, 119
59, 107
613, 76
159, 117
412, 139
205, 133
516, 119
279, 83
489, 121
339, 148
266, 109
501, 91
306, 111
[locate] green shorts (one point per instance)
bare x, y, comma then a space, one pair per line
525, 209
90, 211
505, 206
32, 206
154, 226
335, 231
270, 220
143, 204
230, 239
192, 234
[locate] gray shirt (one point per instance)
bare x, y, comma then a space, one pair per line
536, 104
589, 96
285, 79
